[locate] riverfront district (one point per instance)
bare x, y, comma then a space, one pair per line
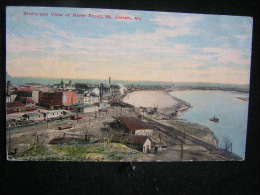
115, 130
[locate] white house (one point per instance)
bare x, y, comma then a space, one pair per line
139, 142
147, 145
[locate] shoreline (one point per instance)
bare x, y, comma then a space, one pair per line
170, 113
209, 88
168, 116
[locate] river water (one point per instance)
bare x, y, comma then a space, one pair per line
231, 111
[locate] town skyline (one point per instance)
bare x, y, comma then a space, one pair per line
106, 79
163, 47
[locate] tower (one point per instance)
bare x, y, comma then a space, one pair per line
101, 88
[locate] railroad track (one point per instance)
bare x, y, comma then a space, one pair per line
170, 131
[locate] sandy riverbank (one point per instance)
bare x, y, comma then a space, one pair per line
150, 98
165, 103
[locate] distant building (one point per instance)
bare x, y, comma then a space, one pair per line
122, 89
90, 98
52, 114
135, 126
139, 142
35, 96
28, 92
8, 99
69, 98
33, 116
82, 86
58, 99
13, 107
28, 101
85, 108
115, 90
50, 99
12, 97
95, 91
24, 92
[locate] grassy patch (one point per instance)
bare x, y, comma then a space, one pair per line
37, 150
86, 152
115, 156
78, 150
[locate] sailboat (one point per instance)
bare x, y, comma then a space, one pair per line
214, 119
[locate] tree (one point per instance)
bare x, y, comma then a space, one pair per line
61, 83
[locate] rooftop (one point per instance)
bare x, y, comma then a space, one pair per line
14, 104
133, 123
130, 139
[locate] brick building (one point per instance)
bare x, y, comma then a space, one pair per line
135, 126
13, 107
58, 99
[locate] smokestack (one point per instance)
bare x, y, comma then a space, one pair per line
101, 92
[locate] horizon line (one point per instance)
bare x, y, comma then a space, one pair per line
130, 80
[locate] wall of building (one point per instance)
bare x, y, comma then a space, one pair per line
24, 93
91, 100
147, 146
8, 99
145, 132
35, 96
19, 108
69, 98
54, 114
49, 99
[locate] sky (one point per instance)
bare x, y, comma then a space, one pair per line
81, 43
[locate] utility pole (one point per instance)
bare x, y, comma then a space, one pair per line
184, 135
36, 141
47, 120
181, 150
77, 115
9, 145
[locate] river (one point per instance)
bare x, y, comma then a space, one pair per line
231, 111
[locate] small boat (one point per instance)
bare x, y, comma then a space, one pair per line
214, 119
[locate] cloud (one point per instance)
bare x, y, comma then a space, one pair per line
174, 21
243, 36
228, 55
178, 25
154, 53
41, 23
18, 44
